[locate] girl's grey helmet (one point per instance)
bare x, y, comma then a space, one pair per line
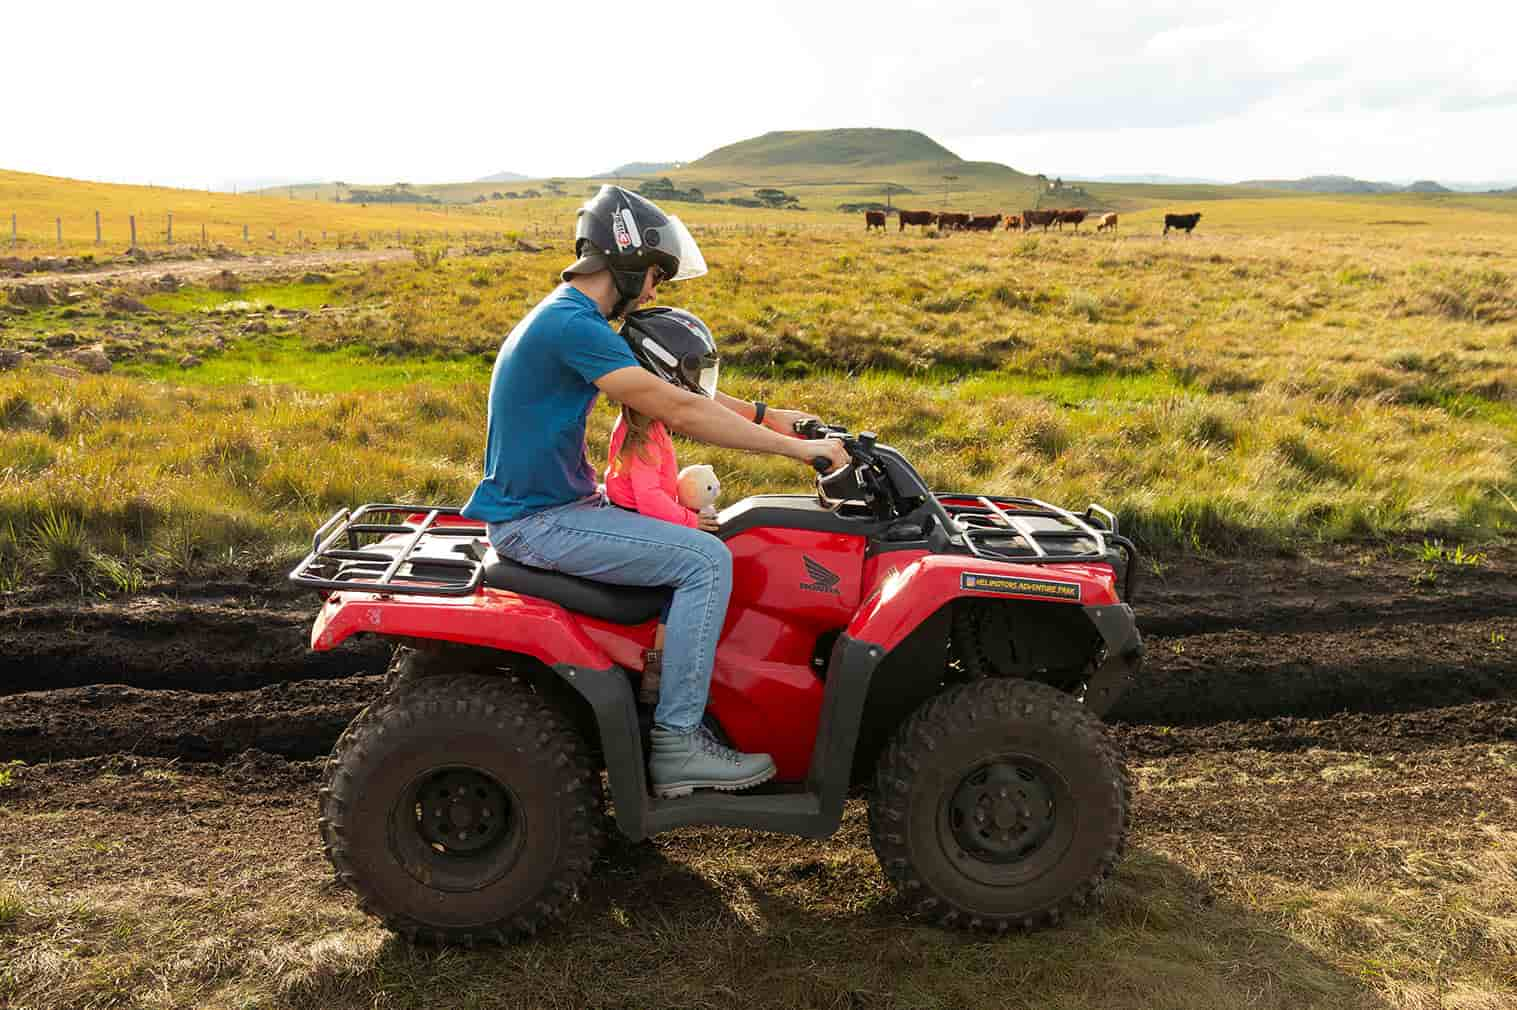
618, 230
674, 345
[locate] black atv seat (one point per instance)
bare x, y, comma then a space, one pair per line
621, 604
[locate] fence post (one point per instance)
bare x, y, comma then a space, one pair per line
13, 231
202, 233
300, 236
244, 233
133, 219
97, 227
60, 230
171, 227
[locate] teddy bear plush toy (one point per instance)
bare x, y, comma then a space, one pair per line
699, 489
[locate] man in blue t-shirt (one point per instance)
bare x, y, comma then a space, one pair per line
539, 495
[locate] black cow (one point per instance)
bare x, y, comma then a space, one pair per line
1181, 222
874, 219
922, 217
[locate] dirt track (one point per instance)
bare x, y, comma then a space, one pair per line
245, 267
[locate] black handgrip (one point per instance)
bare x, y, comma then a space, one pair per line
809, 428
821, 464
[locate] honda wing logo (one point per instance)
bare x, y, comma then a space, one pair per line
822, 581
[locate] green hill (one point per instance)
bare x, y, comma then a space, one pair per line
857, 148
825, 168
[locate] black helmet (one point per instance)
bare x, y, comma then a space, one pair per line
622, 232
674, 345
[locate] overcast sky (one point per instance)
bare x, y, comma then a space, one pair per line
203, 93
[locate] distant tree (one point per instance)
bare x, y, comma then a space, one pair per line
770, 197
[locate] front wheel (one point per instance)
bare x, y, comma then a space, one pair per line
461, 809
1000, 804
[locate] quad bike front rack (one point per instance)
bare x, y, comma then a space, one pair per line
1028, 531
411, 558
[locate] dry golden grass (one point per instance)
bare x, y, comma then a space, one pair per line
1292, 372
150, 884
273, 221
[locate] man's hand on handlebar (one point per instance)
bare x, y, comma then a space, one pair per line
817, 451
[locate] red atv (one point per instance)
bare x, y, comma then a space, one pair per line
953, 651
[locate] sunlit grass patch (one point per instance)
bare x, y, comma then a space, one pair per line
284, 361
291, 295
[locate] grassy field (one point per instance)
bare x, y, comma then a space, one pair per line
274, 221
144, 882
1302, 369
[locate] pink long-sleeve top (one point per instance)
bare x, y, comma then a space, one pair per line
649, 486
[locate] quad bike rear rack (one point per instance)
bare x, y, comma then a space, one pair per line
395, 567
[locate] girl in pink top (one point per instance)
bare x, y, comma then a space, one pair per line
642, 475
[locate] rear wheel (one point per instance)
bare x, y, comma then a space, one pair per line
461, 809
1000, 804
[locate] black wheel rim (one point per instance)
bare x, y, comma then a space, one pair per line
1007, 821
1003, 811
461, 811
457, 828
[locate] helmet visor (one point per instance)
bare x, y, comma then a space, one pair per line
691, 262
708, 376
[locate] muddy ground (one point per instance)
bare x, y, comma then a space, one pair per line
214, 669
1343, 720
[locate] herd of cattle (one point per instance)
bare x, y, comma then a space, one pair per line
1025, 221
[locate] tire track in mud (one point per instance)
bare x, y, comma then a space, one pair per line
204, 677
1191, 682
298, 720
301, 723
215, 645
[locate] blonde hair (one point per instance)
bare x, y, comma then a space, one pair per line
635, 441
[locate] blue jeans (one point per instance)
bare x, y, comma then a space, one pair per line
594, 539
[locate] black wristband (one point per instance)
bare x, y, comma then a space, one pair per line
759, 406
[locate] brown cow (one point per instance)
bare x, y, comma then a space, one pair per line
1036, 217
1072, 216
1013, 222
984, 222
874, 219
922, 217
1108, 222
952, 222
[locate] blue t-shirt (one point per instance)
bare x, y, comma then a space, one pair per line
540, 395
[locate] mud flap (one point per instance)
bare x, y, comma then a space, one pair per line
1124, 656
